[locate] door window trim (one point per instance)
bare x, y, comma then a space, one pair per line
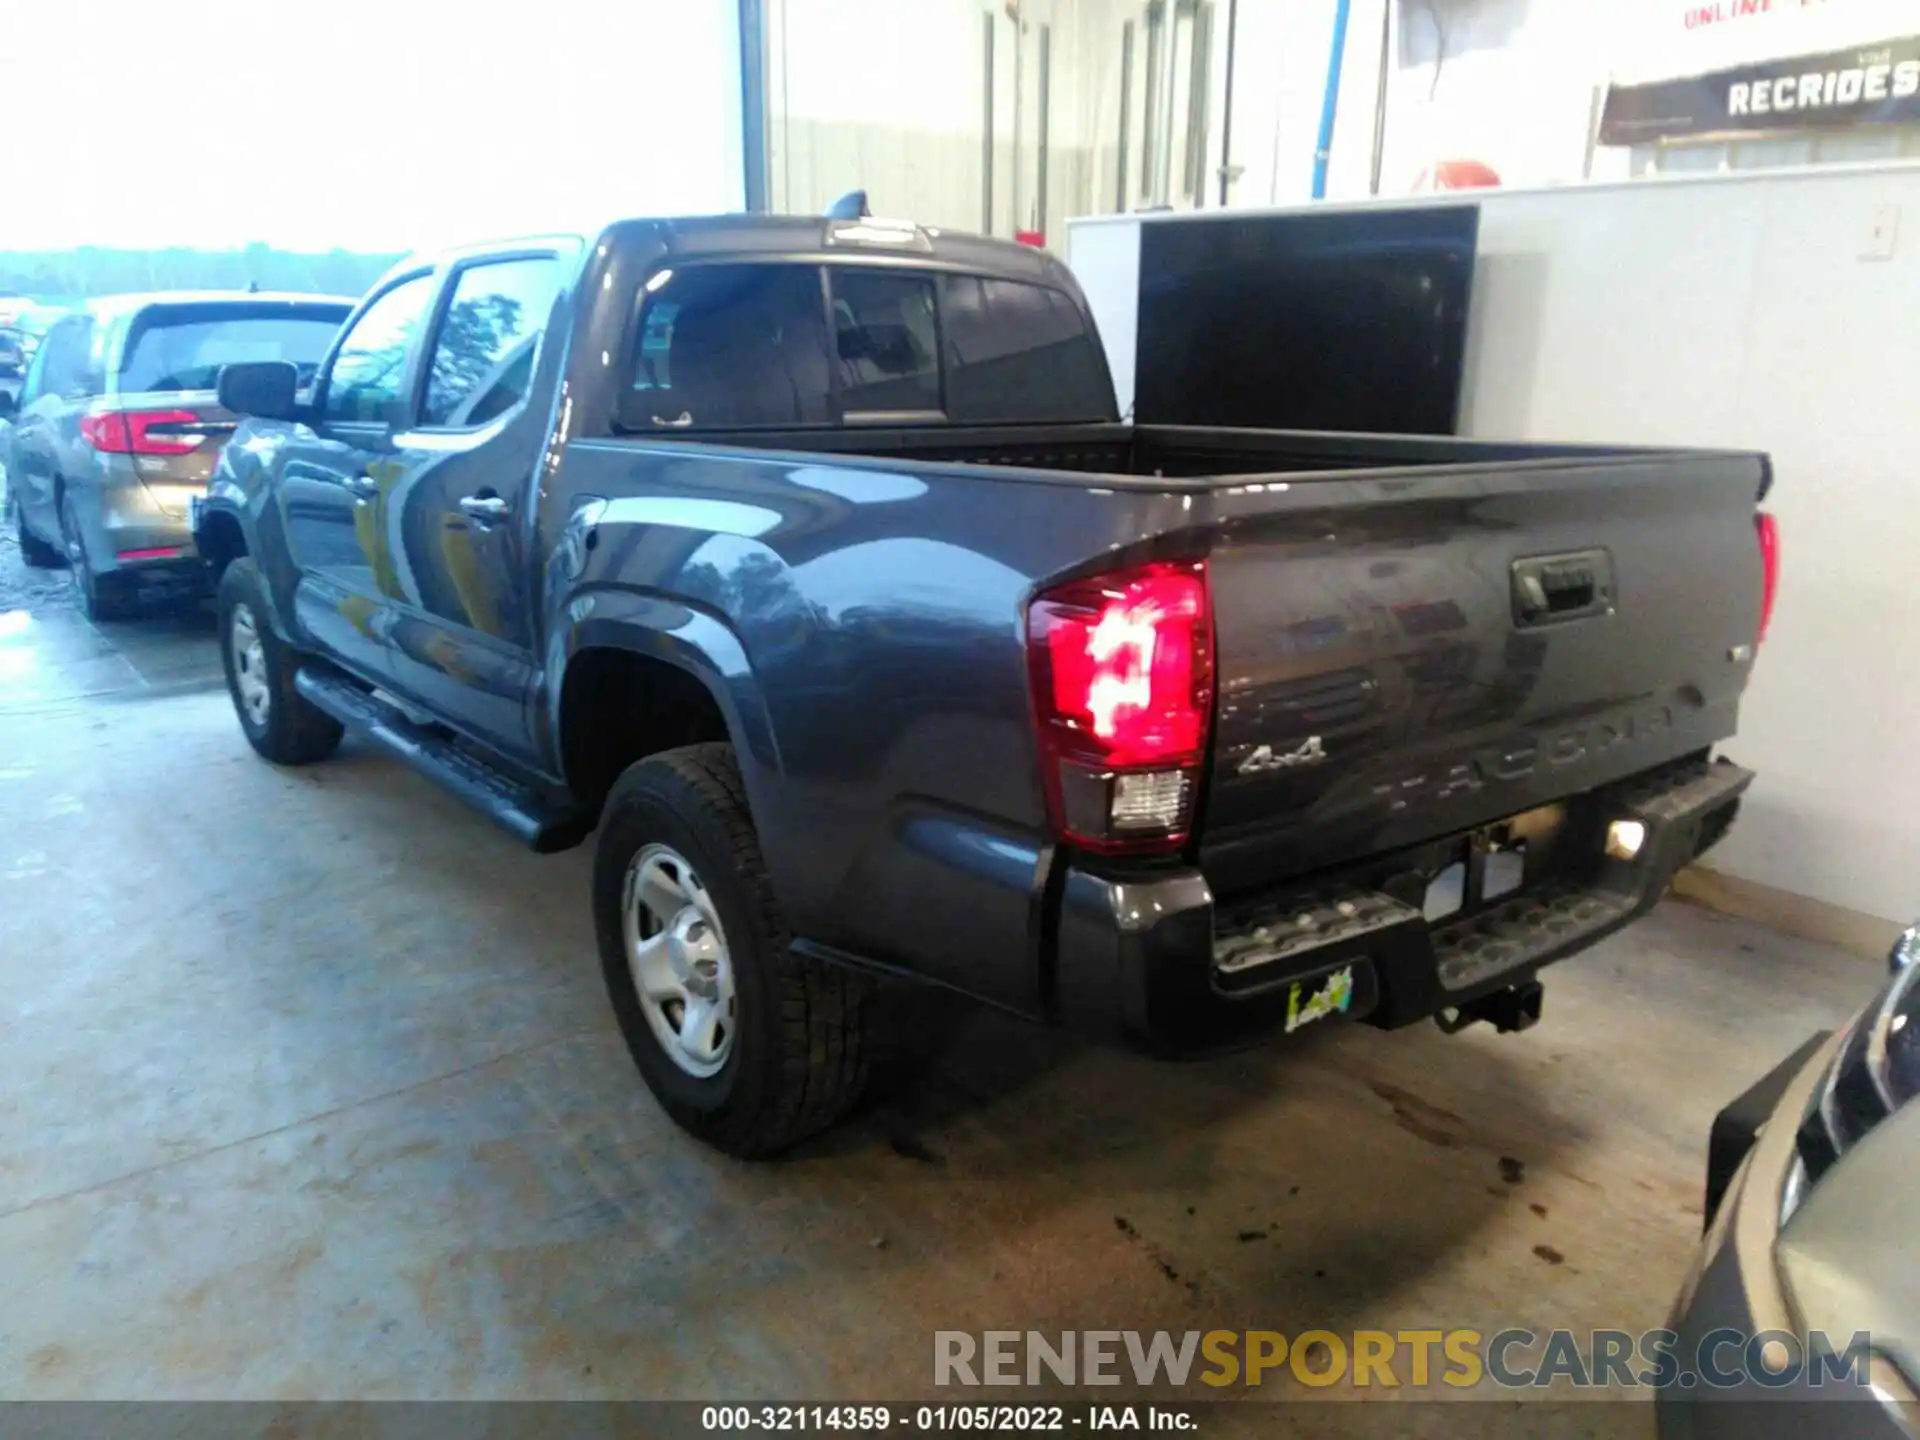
323, 378
437, 316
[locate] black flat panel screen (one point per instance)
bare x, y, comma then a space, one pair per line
1352, 320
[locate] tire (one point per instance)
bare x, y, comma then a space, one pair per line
33, 550
278, 721
102, 597
796, 1047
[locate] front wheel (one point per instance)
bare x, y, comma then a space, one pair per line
279, 722
745, 1044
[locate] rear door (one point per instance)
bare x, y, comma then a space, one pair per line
335, 476
1417, 653
169, 363
457, 515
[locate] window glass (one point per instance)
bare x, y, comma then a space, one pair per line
1020, 352
182, 347
886, 341
724, 346
483, 354
35, 384
371, 364
64, 359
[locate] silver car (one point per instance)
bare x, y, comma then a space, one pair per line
1807, 1285
117, 428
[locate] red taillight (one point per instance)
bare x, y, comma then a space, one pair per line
131, 432
1769, 534
1122, 671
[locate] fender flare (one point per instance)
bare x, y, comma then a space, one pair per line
690, 639
226, 496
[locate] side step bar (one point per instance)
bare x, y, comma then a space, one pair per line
541, 820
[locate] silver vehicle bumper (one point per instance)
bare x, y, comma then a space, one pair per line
131, 527
1735, 1285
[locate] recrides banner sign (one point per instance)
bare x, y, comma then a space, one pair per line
1875, 84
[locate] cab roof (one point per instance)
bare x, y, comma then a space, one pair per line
815, 238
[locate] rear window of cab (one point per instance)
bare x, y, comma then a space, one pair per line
740, 346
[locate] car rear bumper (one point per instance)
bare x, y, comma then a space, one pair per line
128, 532
1155, 956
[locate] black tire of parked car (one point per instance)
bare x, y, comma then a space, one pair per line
296, 732
799, 1057
33, 550
102, 597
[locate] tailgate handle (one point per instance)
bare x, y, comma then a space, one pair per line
1550, 588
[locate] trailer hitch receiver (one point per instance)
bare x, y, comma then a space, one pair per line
1517, 1007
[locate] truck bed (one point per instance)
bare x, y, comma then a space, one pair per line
1170, 452
1379, 679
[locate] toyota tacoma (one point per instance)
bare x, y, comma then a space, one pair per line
808, 562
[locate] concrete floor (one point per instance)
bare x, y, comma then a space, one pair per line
308, 1089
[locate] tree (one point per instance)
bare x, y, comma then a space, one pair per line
476, 334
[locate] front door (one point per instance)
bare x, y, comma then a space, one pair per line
460, 517
336, 479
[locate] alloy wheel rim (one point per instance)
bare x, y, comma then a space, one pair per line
249, 666
677, 955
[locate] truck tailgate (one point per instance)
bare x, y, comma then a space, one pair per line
1419, 652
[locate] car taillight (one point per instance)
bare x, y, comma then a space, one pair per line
1122, 673
132, 432
1769, 534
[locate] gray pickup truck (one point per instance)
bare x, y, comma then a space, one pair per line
808, 560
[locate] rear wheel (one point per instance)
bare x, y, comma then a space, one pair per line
279, 722
745, 1044
33, 550
102, 597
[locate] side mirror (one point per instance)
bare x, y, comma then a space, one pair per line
264, 389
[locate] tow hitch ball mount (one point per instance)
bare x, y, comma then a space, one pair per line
1515, 1008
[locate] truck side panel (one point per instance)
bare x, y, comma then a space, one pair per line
880, 610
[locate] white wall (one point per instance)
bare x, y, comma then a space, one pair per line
877, 95
888, 96
1733, 312
1508, 82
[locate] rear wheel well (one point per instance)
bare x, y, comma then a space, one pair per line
617, 707
220, 542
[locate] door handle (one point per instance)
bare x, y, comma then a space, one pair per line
484, 507
364, 485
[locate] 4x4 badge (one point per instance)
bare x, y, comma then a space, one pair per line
1264, 758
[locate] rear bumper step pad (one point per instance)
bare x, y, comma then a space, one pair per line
1684, 809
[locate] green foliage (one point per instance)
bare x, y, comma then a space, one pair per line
472, 339
64, 275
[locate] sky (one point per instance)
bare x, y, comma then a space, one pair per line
366, 124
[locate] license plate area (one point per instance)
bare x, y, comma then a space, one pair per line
1350, 989
1496, 861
